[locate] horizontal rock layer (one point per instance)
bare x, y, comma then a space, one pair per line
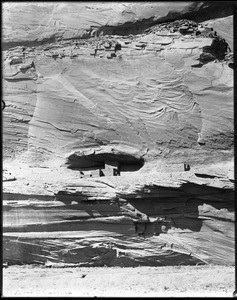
36, 23
92, 222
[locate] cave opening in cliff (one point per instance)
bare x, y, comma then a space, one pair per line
105, 164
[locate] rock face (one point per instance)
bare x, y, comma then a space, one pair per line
118, 133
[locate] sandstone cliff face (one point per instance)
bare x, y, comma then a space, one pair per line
94, 91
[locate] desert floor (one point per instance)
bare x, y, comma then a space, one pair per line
186, 281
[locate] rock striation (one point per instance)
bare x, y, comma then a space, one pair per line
118, 134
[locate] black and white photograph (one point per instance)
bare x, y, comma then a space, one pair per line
118, 149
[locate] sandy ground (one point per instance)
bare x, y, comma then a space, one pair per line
186, 281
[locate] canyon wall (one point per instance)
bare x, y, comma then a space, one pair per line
118, 133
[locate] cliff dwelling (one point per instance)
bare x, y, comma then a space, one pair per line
104, 164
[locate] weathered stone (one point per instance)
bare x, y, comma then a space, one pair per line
104, 156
